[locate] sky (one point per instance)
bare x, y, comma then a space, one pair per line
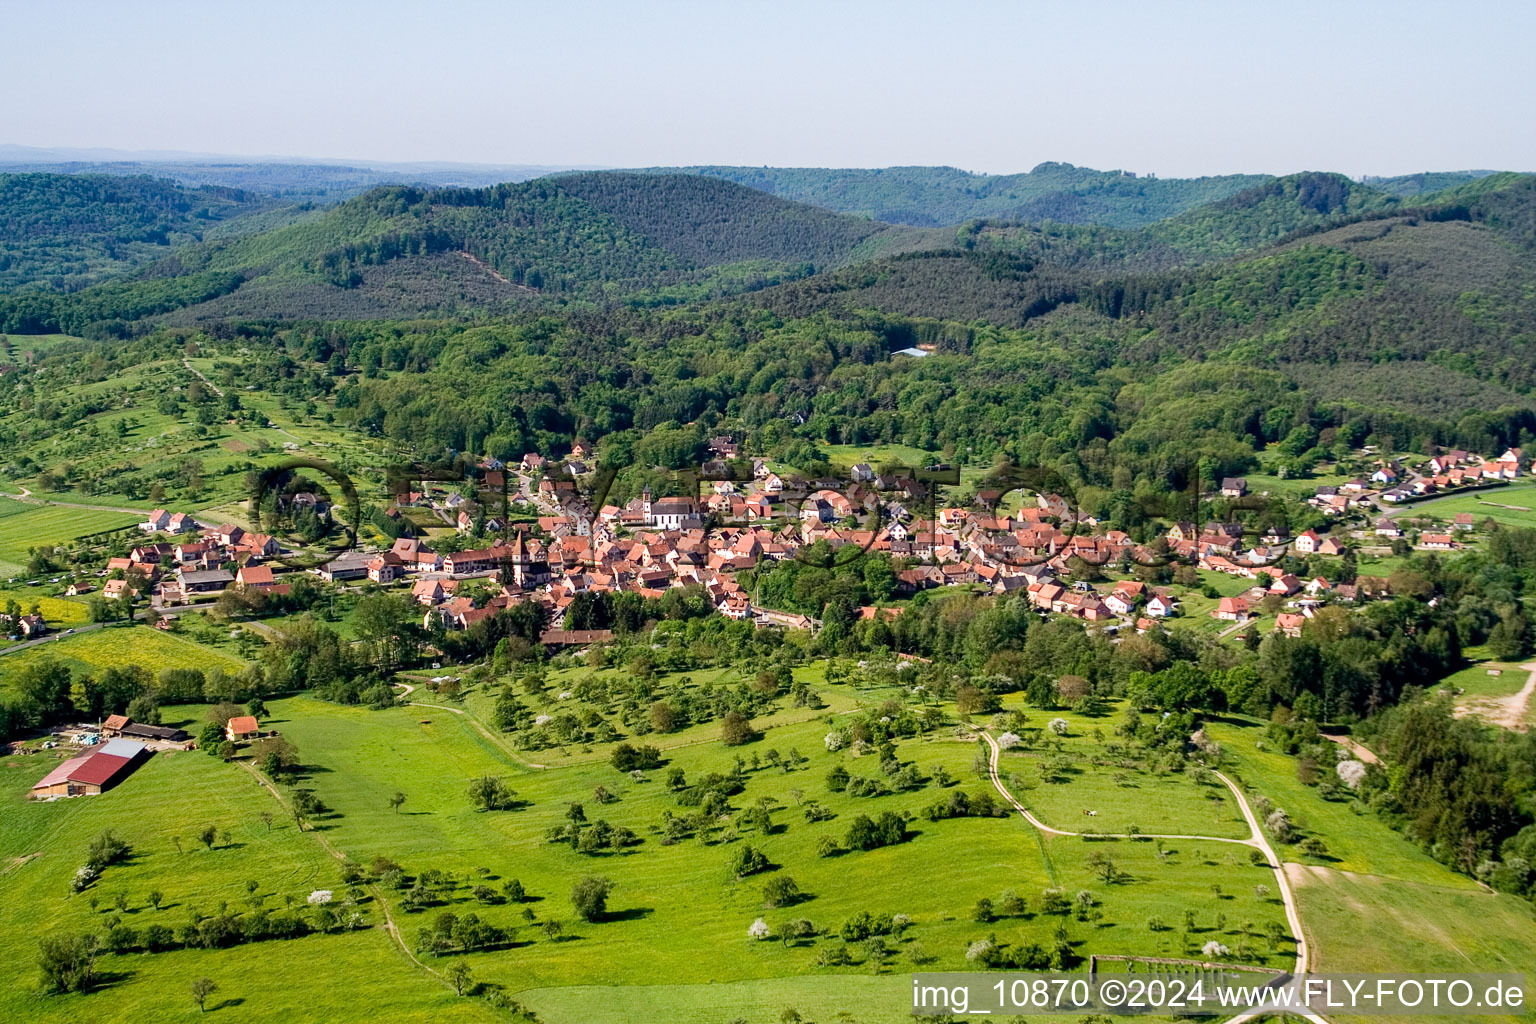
1161, 86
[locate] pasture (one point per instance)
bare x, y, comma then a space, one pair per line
1377, 902
677, 914
1091, 780
1514, 505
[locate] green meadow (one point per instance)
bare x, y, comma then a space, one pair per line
1376, 902
159, 811
24, 526
675, 942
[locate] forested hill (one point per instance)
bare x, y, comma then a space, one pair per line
930, 196
1427, 308
65, 231
1266, 213
400, 251
1424, 182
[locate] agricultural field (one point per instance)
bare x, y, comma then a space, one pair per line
24, 526
60, 612
97, 649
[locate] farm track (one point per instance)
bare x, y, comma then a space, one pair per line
475, 722
1508, 712
31, 499
1256, 840
390, 926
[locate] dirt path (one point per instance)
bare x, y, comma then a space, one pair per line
1354, 746
199, 375
378, 897
478, 725
1234, 628
494, 274
1510, 711
31, 499
1255, 840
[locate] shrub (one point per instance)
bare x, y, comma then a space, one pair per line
627, 757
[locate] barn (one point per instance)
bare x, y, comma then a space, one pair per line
93, 773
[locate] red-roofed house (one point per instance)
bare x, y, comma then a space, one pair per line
242, 727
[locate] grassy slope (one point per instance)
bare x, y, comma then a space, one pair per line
103, 648
39, 525
680, 918
175, 795
1378, 903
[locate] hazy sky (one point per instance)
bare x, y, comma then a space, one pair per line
1175, 88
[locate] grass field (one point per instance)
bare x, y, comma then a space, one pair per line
1474, 680
24, 526
678, 915
138, 645
1378, 903
675, 945
668, 892
59, 612
171, 798
1488, 504
1125, 792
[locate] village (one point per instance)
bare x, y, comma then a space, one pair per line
549, 545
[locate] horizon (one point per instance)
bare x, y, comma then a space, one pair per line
109, 155
1180, 90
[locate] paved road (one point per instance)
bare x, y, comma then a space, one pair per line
1255, 840
48, 639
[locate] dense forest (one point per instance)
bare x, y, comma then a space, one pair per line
64, 231
934, 196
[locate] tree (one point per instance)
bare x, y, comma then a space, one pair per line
590, 897
67, 962
664, 717
1103, 865
489, 793
736, 729
781, 891
202, 988
459, 976
396, 800
748, 860
156, 897
208, 835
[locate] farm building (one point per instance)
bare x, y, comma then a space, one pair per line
140, 731
122, 725
93, 773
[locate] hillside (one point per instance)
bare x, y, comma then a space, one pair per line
66, 231
587, 238
932, 196
1423, 183
1264, 214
